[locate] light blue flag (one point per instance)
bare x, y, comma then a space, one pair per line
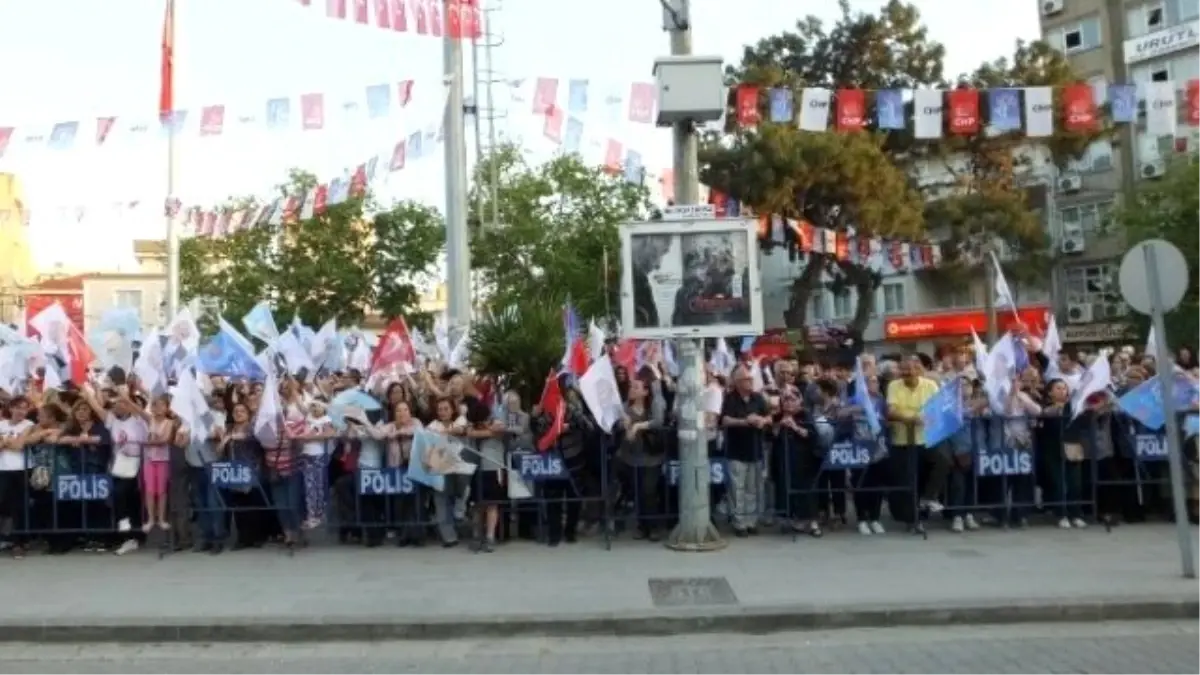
226, 355
889, 109
862, 399
260, 323
122, 320
422, 441
781, 107
1004, 109
747, 344
577, 97
1144, 402
943, 413
1122, 100
634, 171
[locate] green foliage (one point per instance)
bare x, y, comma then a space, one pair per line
557, 229
521, 345
996, 181
868, 180
1169, 208
338, 264
832, 180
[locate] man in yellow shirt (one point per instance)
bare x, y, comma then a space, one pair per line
909, 458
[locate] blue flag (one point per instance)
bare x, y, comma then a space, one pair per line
889, 109
577, 96
573, 137
418, 470
225, 355
1004, 109
1144, 402
943, 413
379, 100
862, 399
781, 105
1122, 99
279, 113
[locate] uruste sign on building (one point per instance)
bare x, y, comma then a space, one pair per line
1163, 42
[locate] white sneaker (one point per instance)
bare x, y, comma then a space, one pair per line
877, 527
972, 524
1078, 523
1063, 523
124, 525
864, 528
957, 524
128, 546
932, 505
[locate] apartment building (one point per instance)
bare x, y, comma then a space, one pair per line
1125, 41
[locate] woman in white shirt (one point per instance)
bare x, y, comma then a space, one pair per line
454, 428
13, 497
314, 462
405, 513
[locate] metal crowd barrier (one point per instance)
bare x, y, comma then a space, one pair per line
69, 498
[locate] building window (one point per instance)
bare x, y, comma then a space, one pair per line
1092, 284
1077, 38
893, 298
1089, 218
1161, 73
129, 299
1154, 17
956, 297
843, 305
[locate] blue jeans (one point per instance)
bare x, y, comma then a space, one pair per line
285, 495
961, 490
207, 505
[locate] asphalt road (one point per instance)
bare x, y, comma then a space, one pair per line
1140, 647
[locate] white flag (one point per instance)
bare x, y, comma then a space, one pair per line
1097, 378
927, 116
814, 109
595, 341
1052, 343
598, 388
1004, 295
1039, 112
1151, 348
1162, 115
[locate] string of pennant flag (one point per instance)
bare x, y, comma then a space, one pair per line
459, 19
305, 112
286, 210
209, 221
966, 111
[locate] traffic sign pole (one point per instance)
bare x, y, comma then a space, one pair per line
1166, 378
1154, 278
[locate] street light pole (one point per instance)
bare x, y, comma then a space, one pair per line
695, 531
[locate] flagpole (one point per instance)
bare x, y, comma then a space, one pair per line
171, 231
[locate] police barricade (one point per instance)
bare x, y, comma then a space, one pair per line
67, 497
826, 470
567, 490
644, 481
1130, 475
997, 465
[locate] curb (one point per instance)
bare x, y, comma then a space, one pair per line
749, 621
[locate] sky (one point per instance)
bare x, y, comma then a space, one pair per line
104, 62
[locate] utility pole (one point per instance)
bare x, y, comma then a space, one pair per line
989, 294
458, 253
695, 531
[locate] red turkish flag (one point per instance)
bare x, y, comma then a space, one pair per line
405, 93
320, 199
398, 157
642, 97
104, 126
545, 95
964, 111
748, 115
212, 120
394, 350
472, 19
851, 111
383, 13
1079, 107
312, 111
1193, 103
552, 124
399, 16
612, 156
422, 22
435, 18
552, 404
360, 11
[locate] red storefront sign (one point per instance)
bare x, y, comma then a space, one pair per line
958, 324
72, 304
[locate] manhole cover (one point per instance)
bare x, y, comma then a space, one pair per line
691, 592
964, 553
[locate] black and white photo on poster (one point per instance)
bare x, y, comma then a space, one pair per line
690, 279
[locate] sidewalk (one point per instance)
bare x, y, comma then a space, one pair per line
336, 593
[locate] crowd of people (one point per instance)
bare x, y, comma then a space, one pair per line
770, 427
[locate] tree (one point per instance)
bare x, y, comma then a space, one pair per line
557, 235
520, 346
832, 180
996, 178
339, 263
1168, 208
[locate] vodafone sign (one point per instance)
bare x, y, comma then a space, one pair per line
959, 324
